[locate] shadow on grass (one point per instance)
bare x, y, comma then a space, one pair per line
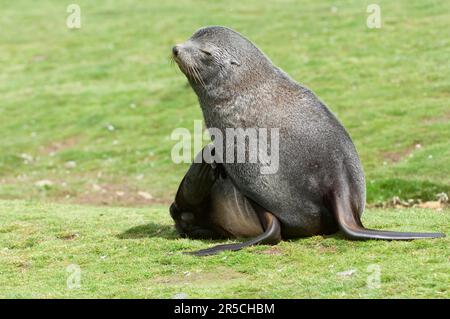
152, 230
169, 232
149, 230
165, 231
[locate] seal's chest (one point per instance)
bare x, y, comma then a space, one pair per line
223, 116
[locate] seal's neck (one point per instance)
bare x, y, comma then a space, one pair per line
234, 108
226, 87
232, 101
213, 94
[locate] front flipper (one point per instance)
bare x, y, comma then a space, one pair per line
271, 236
197, 183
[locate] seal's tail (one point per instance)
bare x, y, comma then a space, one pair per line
352, 228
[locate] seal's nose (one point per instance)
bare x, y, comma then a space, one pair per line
175, 50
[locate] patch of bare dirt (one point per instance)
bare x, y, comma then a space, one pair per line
438, 119
84, 189
117, 195
441, 202
68, 236
23, 265
39, 58
272, 251
219, 276
326, 249
57, 146
397, 156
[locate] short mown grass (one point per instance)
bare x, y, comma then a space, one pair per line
135, 252
86, 117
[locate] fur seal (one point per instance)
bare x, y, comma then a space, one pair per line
319, 187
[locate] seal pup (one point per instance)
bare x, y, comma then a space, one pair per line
319, 187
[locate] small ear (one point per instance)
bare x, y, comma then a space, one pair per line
234, 62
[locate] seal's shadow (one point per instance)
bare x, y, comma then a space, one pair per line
152, 230
149, 230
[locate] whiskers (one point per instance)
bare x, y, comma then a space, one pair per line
171, 60
190, 69
196, 75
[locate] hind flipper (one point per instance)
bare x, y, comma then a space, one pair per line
352, 228
271, 236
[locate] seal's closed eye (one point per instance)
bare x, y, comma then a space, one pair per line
234, 62
205, 52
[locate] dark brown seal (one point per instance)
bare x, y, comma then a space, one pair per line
319, 187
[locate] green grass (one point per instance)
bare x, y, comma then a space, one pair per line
134, 252
61, 88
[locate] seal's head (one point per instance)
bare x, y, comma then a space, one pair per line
218, 57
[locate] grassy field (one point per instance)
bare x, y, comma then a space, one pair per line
134, 252
106, 98
86, 117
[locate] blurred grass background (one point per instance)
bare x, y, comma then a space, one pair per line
91, 110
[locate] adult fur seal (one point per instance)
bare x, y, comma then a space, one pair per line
319, 187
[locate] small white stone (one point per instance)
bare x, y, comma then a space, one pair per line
44, 183
442, 198
70, 164
145, 195
26, 157
96, 188
347, 273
